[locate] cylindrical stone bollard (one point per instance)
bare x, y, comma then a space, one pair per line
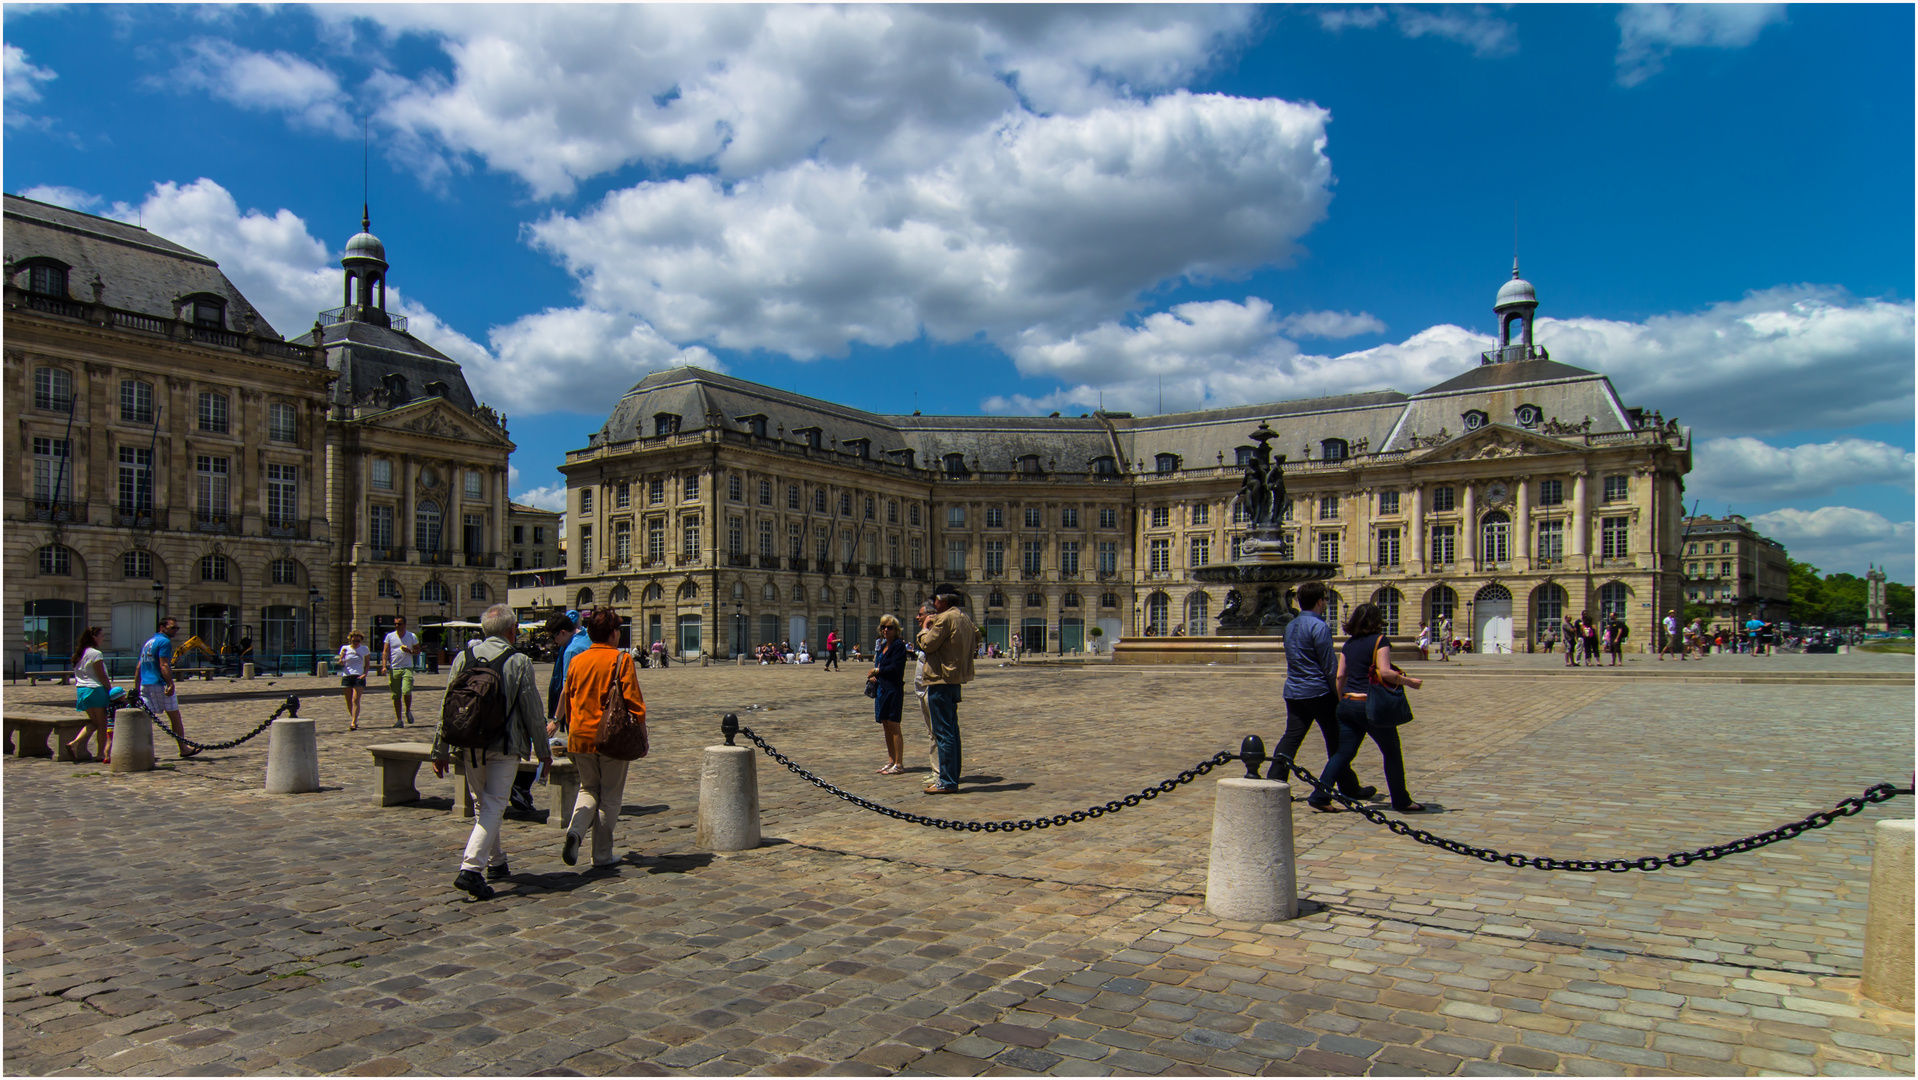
319, 669
132, 748
246, 671
728, 799
292, 757
1251, 877
1888, 915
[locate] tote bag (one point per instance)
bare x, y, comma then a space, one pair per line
1385, 706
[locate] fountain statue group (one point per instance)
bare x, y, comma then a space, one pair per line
1263, 563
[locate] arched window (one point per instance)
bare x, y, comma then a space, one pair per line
875, 598
995, 598
1158, 614
213, 567
477, 592
1495, 537
799, 594
57, 560
47, 278
388, 589
1613, 598
739, 590
52, 389
898, 599
1198, 608
655, 591
136, 564
215, 412
621, 594
769, 593
1034, 599
434, 592
285, 572
1440, 603
689, 591
584, 600
825, 594
1389, 599
1548, 608
426, 526
1529, 415
1070, 600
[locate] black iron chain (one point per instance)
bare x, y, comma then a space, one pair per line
1876, 793
290, 705
1163, 787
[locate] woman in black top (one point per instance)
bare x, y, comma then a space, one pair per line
1366, 648
888, 676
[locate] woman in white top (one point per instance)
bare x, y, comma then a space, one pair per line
93, 691
353, 658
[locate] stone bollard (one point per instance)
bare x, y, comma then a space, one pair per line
1251, 877
742, 659
1888, 918
132, 748
319, 669
292, 757
729, 799
246, 671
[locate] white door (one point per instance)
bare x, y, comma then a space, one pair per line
132, 626
1494, 631
798, 630
1112, 628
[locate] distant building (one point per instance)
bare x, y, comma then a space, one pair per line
1734, 571
534, 542
717, 514
1876, 612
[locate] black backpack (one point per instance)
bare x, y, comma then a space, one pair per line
475, 711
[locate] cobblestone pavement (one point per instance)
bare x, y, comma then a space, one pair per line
184, 921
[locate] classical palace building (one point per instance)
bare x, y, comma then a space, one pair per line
717, 514
174, 452
1734, 571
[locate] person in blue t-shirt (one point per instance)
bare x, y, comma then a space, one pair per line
156, 679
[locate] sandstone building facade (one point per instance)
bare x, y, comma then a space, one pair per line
717, 514
1734, 571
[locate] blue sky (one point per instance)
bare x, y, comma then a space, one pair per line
1017, 210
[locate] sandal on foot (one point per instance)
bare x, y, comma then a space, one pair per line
1323, 808
1410, 808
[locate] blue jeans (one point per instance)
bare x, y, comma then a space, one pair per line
943, 702
1353, 731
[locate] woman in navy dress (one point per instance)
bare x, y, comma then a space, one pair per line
888, 676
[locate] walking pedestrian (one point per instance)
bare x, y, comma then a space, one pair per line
353, 657
1673, 642
1311, 689
1615, 632
156, 680
1572, 641
1425, 642
888, 679
563, 631
399, 651
93, 694
832, 650
948, 638
1446, 645
489, 771
590, 678
1366, 657
1588, 633
1018, 645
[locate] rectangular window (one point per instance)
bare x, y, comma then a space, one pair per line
1160, 556
690, 488
955, 555
735, 536
1551, 539
1388, 547
892, 511
382, 474
539, 558
282, 423
1551, 492
539, 534
476, 485
1068, 517
656, 541
52, 389
1443, 550
519, 534
995, 558
1725, 568
136, 402
892, 551
1034, 515
1108, 556
1108, 517
585, 500
1285, 512
765, 493
995, 517
1237, 547
1388, 503
917, 549
845, 504
585, 548
795, 540
766, 540
136, 479
1617, 489
213, 412
52, 469
872, 547
656, 491
211, 476
1443, 497
1202, 514
282, 494
955, 517
818, 501
1613, 534
1161, 517
379, 530
622, 495
792, 497
473, 533
872, 509
912, 515
1069, 556
622, 543
735, 488
1239, 515
1032, 554
1201, 551
822, 544
1328, 508
1328, 547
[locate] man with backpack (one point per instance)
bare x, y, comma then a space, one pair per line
491, 717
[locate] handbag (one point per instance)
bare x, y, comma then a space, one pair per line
1385, 706
872, 689
621, 735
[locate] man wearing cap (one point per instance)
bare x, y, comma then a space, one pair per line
949, 640
561, 630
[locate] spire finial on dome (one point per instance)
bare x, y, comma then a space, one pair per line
366, 225
1515, 277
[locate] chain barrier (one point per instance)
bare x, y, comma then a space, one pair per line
291, 706
1163, 787
1876, 793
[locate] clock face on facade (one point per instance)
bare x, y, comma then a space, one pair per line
429, 478
1497, 492
1474, 420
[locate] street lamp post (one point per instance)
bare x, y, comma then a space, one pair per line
313, 602
739, 627
846, 643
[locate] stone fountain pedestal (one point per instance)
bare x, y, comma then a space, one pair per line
1259, 604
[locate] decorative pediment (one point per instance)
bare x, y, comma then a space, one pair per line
1491, 441
438, 418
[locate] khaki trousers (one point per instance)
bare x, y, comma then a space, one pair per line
932, 741
602, 786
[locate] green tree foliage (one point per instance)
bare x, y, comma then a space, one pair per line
1839, 599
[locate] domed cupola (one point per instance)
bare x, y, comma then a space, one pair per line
365, 285
1517, 303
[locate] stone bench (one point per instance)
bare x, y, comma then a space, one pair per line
28, 730
399, 765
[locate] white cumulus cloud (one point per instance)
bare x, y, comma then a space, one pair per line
1647, 33
550, 497
61, 195
23, 79
1477, 27
575, 358
1745, 469
267, 82
1842, 539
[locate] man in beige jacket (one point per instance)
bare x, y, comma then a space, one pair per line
949, 640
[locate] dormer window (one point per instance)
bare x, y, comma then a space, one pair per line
755, 425
1166, 463
955, 464
1105, 466
665, 424
861, 447
1029, 465
207, 311
1529, 416
1242, 454
1475, 419
47, 279
394, 384
815, 437
437, 389
1332, 449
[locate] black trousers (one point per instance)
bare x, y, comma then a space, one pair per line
1353, 730
1300, 715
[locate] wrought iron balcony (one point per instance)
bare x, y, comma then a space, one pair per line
288, 528
339, 315
769, 562
387, 554
1512, 353
737, 559
437, 558
209, 521
798, 565
61, 510
129, 518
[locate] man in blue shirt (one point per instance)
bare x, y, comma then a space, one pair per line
156, 678
1311, 690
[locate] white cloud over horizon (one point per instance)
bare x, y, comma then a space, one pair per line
1744, 469
1842, 539
308, 94
22, 84
1648, 33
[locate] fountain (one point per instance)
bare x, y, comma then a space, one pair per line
1251, 631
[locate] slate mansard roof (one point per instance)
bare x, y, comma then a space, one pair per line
138, 270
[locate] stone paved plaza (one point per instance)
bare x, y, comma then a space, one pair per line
182, 921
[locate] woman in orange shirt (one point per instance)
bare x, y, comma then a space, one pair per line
602, 780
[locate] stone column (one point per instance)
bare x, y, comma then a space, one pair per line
1415, 524
1581, 523
1468, 528
1888, 922
1522, 542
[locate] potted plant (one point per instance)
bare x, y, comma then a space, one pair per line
1097, 633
